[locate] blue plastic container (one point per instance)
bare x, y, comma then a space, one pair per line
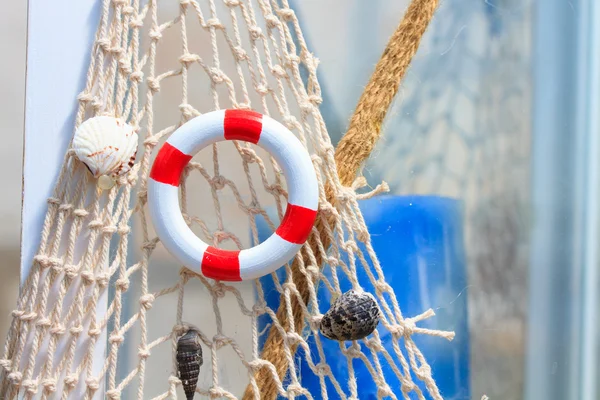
419, 243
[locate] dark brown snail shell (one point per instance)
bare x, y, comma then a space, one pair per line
353, 316
189, 360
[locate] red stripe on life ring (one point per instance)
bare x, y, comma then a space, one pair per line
220, 264
296, 224
242, 125
169, 164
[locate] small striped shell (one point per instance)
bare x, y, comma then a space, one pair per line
106, 145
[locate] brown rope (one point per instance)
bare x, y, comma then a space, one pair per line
352, 151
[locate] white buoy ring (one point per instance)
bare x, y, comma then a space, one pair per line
163, 195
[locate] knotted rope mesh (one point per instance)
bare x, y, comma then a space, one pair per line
104, 304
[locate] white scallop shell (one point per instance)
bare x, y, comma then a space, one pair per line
106, 145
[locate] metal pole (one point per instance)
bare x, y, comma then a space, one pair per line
562, 353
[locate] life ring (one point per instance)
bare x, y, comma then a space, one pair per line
176, 235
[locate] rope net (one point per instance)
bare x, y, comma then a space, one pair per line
103, 306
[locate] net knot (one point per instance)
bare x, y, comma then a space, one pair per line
423, 372
6, 364
30, 385
76, 330
216, 75
353, 351
44, 322
292, 60
323, 369
58, 329
384, 391
85, 97
94, 332
217, 393
240, 53
382, 286
231, 3
122, 284
151, 141
315, 99
53, 201
109, 229
189, 58
220, 341
306, 106
80, 213
218, 290
259, 309
187, 110
278, 71
292, 338
315, 321
295, 390
136, 76
92, 384
102, 280
70, 271
124, 230
65, 207
248, 155
17, 313
173, 380
88, 277
262, 89
147, 300
49, 385
286, 14
214, 23
113, 394
155, 34
272, 21
95, 224
345, 194
104, 44
29, 316
71, 380
406, 328
15, 377
46, 261
116, 338
136, 22
150, 245
143, 352
255, 32
290, 121
218, 182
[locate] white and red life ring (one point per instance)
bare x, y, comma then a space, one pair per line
163, 195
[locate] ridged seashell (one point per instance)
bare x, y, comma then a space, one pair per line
353, 316
189, 360
106, 145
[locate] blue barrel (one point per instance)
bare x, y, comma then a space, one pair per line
419, 243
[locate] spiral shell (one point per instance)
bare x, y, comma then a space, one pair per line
189, 361
353, 316
106, 145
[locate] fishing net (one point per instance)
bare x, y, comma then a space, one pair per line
104, 304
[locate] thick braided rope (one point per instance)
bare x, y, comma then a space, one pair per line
365, 126
353, 149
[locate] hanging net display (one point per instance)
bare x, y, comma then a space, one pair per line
106, 308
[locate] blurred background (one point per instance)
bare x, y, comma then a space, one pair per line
495, 111
13, 30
